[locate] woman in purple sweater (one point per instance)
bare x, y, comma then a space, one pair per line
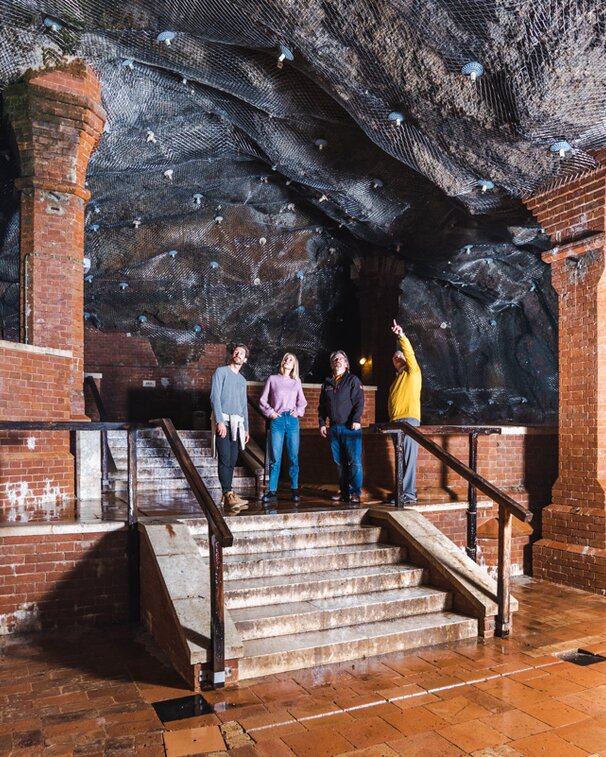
283, 402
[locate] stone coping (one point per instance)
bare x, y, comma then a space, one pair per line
20, 347
45, 529
309, 386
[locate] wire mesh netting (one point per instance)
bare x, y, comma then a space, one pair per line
253, 147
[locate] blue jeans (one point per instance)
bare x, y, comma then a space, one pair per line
284, 427
346, 446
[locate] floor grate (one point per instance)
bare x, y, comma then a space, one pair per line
181, 708
581, 657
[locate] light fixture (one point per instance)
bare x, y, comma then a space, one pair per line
94, 227
218, 219
198, 198
320, 143
128, 63
150, 137
262, 241
88, 278
468, 248
376, 183
197, 329
213, 264
562, 147
86, 315
142, 318
52, 24
323, 198
290, 206
168, 174
263, 179
166, 37
257, 281
285, 54
300, 275
397, 117
123, 285
86, 264
172, 253
136, 222
300, 310
473, 69
485, 184
362, 361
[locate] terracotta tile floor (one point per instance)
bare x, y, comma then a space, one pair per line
89, 692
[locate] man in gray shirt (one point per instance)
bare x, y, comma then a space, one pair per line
230, 412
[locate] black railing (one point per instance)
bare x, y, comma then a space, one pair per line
508, 507
219, 534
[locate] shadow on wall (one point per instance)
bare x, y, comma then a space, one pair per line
186, 409
86, 583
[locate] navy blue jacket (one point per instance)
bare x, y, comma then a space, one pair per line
342, 401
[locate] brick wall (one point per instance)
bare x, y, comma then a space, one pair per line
67, 576
310, 419
36, 468
125, 362
573, 545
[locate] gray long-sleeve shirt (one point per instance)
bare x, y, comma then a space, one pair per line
228, 394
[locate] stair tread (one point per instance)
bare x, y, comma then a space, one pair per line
239, 557
243, 614
348, 634
249, 536
243, 584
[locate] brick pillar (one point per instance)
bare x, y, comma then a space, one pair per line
573, 545
379, 278
57, 120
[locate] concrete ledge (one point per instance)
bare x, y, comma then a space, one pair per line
20, 347
435, 551
43, 529
185, 576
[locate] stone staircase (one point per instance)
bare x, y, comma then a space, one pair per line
158, 469
313, 588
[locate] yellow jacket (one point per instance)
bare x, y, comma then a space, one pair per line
405, 392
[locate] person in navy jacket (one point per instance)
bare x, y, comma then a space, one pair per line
342, 404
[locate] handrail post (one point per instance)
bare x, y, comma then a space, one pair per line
133, 531
217, 629
399, 468
104, 461
504, 570
472, 499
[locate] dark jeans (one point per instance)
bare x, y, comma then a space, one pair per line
346, 446
227, 452
411, 451
284, 428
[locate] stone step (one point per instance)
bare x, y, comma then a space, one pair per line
294, 651
278, 539
162, 453
317, 519
310, 560
265, 621
301, 588
244, 486
157, 433
175, 473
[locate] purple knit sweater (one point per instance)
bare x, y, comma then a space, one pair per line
282, 394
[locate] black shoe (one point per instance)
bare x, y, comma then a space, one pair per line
339, 498
295, 496
270, 496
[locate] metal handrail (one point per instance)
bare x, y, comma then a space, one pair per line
508, 509
219, 536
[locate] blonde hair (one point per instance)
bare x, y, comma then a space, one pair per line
294, 371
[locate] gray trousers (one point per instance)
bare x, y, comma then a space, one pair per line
411, 451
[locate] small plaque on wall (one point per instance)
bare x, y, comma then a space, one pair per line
150, 383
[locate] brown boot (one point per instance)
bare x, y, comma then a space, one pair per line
241, 503
229, 505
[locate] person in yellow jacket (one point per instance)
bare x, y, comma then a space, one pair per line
404, 404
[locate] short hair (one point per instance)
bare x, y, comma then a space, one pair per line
334, 354
294, 373
243, 346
